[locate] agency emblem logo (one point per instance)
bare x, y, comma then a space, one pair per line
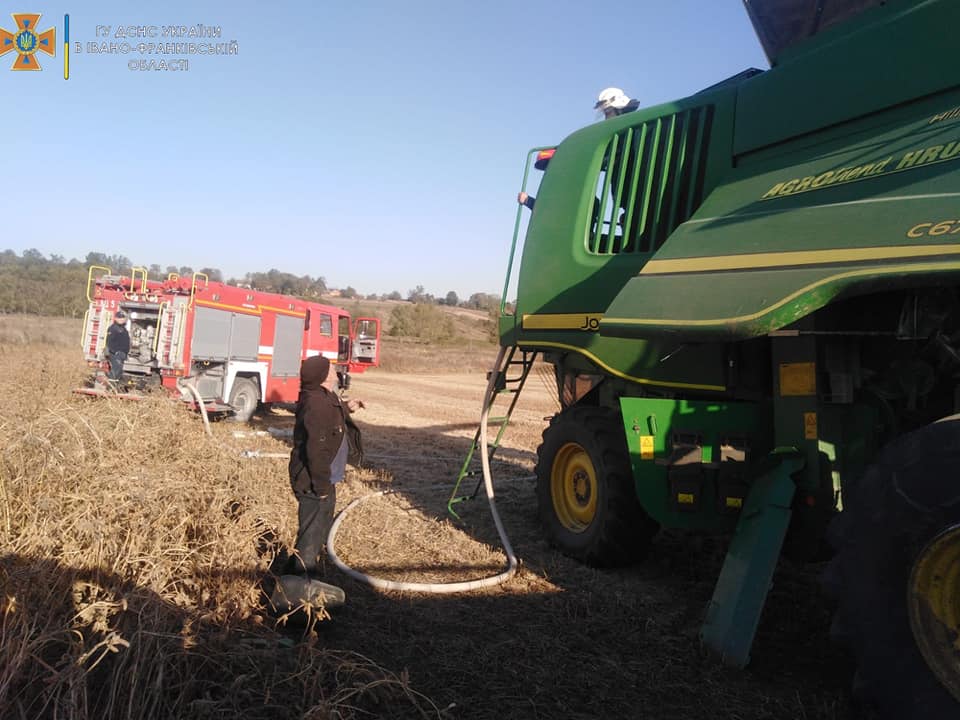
26, 41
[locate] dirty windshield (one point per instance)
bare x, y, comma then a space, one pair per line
783, 23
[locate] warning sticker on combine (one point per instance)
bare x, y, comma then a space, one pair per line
646, 447
798, 379
810, 426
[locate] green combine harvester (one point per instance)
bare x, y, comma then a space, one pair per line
750, 300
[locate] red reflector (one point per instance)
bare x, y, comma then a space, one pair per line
811, 500
543, 157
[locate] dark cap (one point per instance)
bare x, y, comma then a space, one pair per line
313, 372
120, 314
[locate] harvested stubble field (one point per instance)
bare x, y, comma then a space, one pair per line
134, 550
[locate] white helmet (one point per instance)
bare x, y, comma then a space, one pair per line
611, 98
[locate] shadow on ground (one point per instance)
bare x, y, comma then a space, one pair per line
565, 641
87, 643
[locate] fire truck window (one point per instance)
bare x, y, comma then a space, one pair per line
326, 325
343, 325
366, 329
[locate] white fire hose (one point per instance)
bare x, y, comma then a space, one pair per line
192, 389
448, 587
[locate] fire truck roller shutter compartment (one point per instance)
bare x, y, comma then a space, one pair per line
219, 335
287, 346
211, 334
244, 337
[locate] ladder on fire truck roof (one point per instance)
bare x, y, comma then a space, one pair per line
506, 387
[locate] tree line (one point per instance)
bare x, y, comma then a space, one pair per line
36, 284
477, 301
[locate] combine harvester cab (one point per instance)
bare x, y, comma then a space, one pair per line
750, 301
238, 348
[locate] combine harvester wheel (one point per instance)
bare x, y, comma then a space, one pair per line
585, 493
896, 576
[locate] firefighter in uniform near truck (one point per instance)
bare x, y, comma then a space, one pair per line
324, 439
118, 345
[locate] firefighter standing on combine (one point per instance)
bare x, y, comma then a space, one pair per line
612, 102
118, 345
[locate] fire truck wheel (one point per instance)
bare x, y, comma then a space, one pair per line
244, 398
896, 577
585, 493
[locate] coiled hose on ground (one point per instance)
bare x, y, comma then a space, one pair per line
449, 587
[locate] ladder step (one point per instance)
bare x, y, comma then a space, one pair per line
501, 380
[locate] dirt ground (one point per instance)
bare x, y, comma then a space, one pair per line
559, 640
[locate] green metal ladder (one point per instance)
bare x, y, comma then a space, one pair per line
520, 361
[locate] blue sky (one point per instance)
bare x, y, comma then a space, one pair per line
378, 144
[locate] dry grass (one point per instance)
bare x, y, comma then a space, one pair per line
130, 578
469, 325
134, 550
31, 329
404, 355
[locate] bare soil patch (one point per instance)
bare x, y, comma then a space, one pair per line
560, 640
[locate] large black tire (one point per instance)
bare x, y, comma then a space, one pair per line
244, 399
905, 499
585, 491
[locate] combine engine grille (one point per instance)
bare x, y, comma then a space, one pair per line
651, 180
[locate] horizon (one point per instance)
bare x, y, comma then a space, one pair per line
376, 146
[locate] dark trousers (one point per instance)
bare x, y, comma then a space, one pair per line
116, 365
315, 516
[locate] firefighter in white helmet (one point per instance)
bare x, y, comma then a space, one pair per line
613, 101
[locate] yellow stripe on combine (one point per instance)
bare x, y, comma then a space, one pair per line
923, 267
753, 261
562, 321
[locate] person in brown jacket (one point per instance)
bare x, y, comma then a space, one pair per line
319, 456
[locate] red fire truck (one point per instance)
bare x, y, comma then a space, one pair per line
238, 347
